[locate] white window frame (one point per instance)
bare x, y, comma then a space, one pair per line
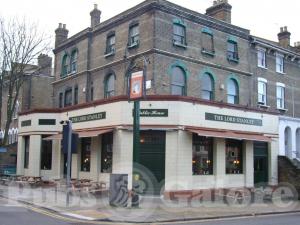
263, 64
279, 66
263, 81
281, 85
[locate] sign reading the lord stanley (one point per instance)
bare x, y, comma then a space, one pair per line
88, 117
233, 119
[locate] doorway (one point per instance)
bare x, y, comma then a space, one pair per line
261, 163
152, 156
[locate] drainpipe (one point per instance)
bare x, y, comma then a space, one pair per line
88, 67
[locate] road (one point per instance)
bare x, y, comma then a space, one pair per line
17, 214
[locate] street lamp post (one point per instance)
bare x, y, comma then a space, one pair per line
67, 134
137, 91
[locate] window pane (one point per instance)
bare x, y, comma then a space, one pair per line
232, 87
177, 76
280, 97
60, 100
262, 92
232, 50
134, 34
85, 154
207, 83
202, 155
68, 97
177, 81
279, 64
179, 33
76, 95
177, 90
46, 154
261, 55
26, 151
234, 159
207, 42
107, 153
110, 86
207, 87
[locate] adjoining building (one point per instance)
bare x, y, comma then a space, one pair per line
201, 124
35, 92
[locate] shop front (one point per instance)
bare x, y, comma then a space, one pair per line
186, 145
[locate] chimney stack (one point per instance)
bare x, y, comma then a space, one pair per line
61, 34
284, 37
45, 64
221, 10
297, 46
95, 16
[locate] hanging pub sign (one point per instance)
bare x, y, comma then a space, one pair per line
136, 85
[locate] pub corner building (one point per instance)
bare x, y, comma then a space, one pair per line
186, 145
188, 142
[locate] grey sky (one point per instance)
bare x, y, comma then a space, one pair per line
262, 17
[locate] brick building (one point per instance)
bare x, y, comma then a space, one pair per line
35, 92
201, 122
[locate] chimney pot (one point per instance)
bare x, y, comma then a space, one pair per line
64, 26
60, 25
95, 6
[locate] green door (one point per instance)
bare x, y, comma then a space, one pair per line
260, 163
152, 156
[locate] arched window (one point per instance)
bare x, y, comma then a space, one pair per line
288, 141
298, 143
74, 56
232, 91
207, 84
65, 66
178, 82
109, 86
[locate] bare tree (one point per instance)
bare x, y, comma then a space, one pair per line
20, 44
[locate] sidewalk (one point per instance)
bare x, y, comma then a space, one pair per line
152, 209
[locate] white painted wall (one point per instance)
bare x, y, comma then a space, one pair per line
294, 124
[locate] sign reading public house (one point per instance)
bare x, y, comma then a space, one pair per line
233, 119
88, 117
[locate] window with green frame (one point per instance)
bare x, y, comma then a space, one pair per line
232, 50
232, 91
110, 44
207, 86
109, 86
178, 81
134, 35
179, 34
207, 42
65, 66
73, 61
